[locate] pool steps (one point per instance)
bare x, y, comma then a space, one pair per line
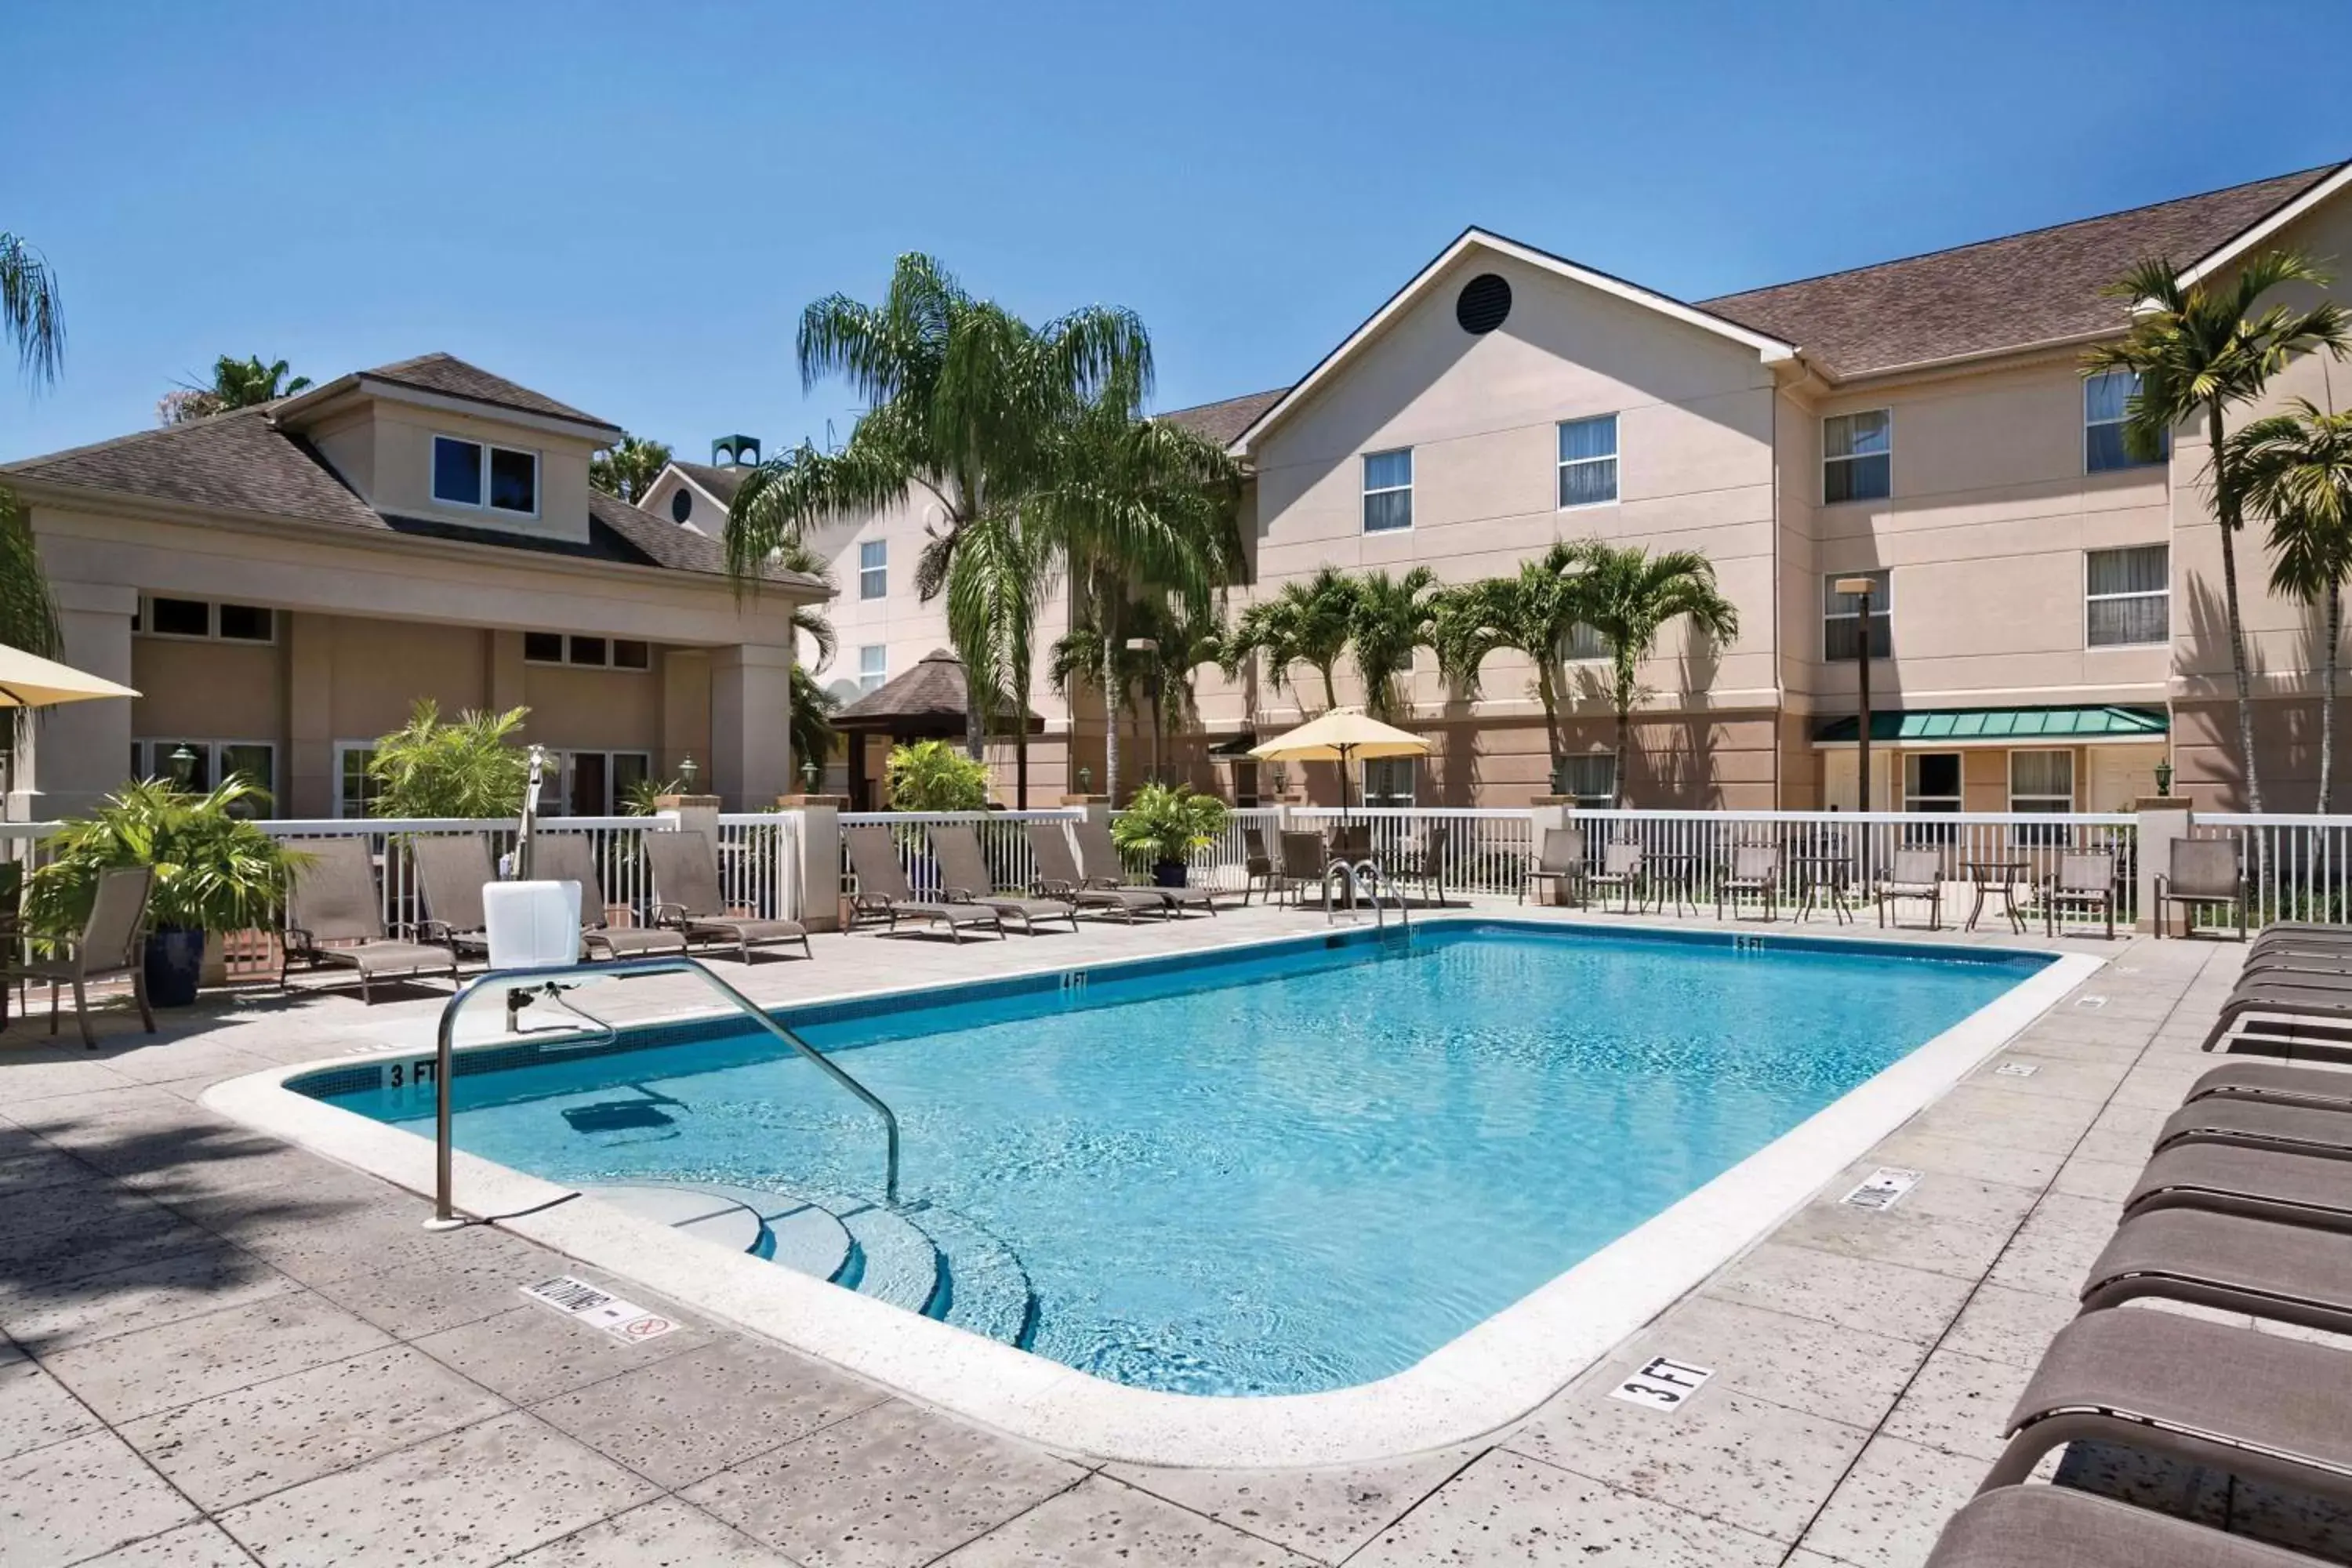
900, 1256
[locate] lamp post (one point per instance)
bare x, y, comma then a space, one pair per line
1860, 589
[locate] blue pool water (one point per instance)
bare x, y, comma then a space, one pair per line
1293, 1172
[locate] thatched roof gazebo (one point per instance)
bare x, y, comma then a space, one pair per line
928, 702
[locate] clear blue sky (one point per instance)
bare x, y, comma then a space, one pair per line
626, 207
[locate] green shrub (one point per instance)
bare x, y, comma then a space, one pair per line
1169, 822
215, 870
933, 775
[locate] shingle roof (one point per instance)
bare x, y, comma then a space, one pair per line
453, 377
721, 482
932, 696
241, 462
2006, 293
1221, 422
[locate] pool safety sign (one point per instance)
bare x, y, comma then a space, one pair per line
583, 1303
1884, 1190
2016, 1069
1661, 1384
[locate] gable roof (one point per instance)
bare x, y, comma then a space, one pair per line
243, 462
1221, 422
718, 481
2039, 287
1768, 346
453, 377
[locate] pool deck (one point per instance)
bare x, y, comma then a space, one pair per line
223, 1350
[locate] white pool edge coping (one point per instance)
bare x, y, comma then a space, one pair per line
1485, 1378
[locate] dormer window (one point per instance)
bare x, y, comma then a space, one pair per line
473, 473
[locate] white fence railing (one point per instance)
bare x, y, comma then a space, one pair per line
1003, 842
1476, 850
2297, 868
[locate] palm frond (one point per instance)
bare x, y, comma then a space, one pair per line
32, 313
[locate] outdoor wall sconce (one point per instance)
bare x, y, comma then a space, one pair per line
2164, 776
808, 776
1086, 781
184, 767
687, 772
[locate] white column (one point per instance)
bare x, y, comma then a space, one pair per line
750, 724
80, 752
2162, 819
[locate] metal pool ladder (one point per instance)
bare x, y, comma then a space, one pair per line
549, 982
1356, 877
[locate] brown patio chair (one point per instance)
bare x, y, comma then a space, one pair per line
1754, 868
2050, 1526
965, 879
1621, 867
1058, 877
883, 888
566, 857
1559, 862
451, 869
2203, 872
687, 899
1258, 866
2085, 880
2285, 1273
2275, 1083
1101, 867
1304, 862
2256, 1183
330, 897
1350, 842
1424, 861
2213, 1394
1915, 874
112, 941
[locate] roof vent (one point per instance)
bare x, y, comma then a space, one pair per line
1484, 304
743, 451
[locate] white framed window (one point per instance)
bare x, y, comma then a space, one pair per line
476, 474
1388, 781
1588, 461
210, 764
2107, 408
1388, 490
874, 569
1589, 780
2041, 782
873, 667
1858, 456
584, 651
1931, 781
354, 789
1584, 642
1841, 617
163, 616
2127, 595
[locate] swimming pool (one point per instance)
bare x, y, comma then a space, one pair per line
1290, 1168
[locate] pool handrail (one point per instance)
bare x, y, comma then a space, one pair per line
444, 1216
1362, 874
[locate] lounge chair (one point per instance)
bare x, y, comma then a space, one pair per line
451, 869
2299, 997
964, 878
2286, 1273
2250, 1125
1559, 863
111, 942
687, 899
2241, 1402
2275, 1083
1621, 867
1058, 877
565, 857
1754, 868
330, 897
882, 889
1101, 867
2257, 1183
2051, 1526
2204, 872
1915, 874
2084, 881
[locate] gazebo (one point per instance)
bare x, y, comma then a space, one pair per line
928, 702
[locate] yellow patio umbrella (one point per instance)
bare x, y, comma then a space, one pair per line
27, 680
1341, 736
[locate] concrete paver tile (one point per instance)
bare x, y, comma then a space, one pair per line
1914, 1304
1845, 1374
36, 1409
177, 1363
1100, 1523
200, 1545
1958, 1405
1892, 1506
473, 1497
66, 1501
664, 1533
2008, 1325
142, 1295
890, 1487
1508, 1508
2056, 1245
531, 1354
237, 1446
1324, 1513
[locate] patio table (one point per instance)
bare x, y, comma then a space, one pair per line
1816, 874
1998, 871
1676, 872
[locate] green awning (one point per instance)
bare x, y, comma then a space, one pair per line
1990, 726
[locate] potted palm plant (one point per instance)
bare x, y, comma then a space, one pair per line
1169, 822
215, 872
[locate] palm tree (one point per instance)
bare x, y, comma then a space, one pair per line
31, 315
1180, 634
1308, 622
2296, 470
33, 320
1082, 658
998, 581
2197, 351
963, 398
1535, 613
1392, 617
628, 468
811, 733
237, 384
1628, 596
